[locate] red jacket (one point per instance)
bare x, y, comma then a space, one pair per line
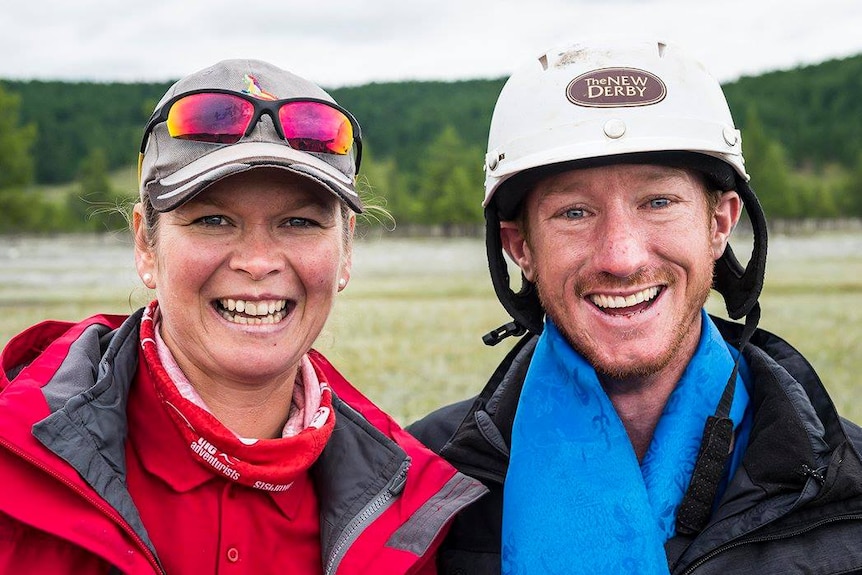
385, 500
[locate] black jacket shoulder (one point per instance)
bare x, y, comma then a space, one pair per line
794, 505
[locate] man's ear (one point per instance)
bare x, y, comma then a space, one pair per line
724, 219
515, 243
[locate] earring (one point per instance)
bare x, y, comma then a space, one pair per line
342, 282
147, 279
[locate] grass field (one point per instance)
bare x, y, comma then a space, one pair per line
407, 330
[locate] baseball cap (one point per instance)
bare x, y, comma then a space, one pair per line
174, 170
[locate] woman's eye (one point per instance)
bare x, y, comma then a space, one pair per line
659, 203
213, 220
299, 223
573, 213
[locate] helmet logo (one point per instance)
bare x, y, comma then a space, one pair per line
616, 87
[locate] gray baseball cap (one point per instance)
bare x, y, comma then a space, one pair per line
173, 170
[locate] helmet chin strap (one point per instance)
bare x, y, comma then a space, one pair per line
524, 306
741, 286
715, 448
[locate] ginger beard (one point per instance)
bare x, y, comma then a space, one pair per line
579, 336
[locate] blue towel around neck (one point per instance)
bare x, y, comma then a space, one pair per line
576, 499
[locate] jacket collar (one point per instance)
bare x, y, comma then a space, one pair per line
88, 428
797, 426
480, 445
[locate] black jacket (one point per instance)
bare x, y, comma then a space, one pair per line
793, 506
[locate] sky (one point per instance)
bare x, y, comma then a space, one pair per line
352, 42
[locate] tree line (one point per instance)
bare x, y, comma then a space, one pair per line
424, 144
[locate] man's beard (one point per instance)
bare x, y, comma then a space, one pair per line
629, 371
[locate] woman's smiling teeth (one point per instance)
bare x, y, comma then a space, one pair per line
252, 312
618, 302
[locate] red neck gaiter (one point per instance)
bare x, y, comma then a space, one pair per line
267, 464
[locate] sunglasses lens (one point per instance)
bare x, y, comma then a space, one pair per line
220, 118
316, 127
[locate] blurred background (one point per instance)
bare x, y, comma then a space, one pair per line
78, 81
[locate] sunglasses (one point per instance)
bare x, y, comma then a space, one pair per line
225, 117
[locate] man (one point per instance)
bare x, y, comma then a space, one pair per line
626, 433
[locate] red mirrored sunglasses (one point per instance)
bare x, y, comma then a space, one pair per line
225, 117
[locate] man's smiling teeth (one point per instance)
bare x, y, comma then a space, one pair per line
616, 301
252, 312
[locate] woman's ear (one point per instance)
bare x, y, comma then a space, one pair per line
347, 260
145, 260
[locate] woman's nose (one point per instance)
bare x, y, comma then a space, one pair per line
257, 254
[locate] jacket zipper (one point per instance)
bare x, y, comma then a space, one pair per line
100, 503
712, 554
366, 516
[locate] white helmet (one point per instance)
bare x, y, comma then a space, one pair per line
595, 104
595, 101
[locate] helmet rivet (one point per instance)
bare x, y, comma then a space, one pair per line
731, 136
615, 128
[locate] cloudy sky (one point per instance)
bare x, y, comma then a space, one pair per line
351, 42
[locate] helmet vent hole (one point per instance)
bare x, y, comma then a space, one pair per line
543, 60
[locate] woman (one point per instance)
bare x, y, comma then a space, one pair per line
203, 433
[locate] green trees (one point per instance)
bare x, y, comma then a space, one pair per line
17, 205
72, 119
766, 163
814, 111
449, 182
94, 205
854, 189
16, 141
445, 190
22, 209
802, 133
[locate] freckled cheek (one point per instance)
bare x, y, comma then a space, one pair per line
319, 271
183, 274
193, 265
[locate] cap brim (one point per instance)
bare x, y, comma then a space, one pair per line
179, 187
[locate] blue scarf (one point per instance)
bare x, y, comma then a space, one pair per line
576, 500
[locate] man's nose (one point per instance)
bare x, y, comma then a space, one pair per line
622, 247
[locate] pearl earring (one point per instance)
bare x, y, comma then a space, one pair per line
147, 278
342, 282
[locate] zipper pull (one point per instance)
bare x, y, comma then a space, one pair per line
396, 485
813, 473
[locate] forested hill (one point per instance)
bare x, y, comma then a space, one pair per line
814, 111
424, 145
